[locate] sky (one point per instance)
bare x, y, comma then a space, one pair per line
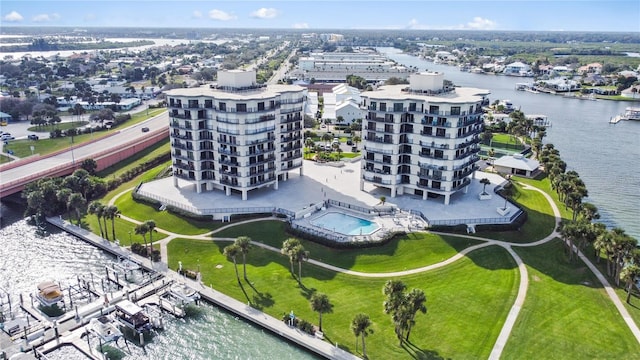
510, 15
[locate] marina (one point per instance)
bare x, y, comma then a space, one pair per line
137, 307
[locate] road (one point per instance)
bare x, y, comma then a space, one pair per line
123, 136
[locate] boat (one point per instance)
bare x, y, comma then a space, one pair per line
105, 329
632, 113
126, 264
184, 293
132, 316
49, 293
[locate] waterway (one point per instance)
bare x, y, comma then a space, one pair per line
606, 156
27, 258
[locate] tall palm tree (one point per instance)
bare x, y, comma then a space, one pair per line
232, 251
320, 303
143, 229
300, 255
111, 213
287, 247
416, 300
77, 203
97, 208
244, 243
360, 326
62, 196
630, 275
151, 226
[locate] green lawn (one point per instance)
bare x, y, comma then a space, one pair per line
61, 126
164, 219
22, 148
147, 154
5, 159
567, 314
540, 221
505, 141
467, 301
407, 252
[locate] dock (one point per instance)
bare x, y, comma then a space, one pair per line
162, 277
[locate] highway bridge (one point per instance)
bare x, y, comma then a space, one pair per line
105, 151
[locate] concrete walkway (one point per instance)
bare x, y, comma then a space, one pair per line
512, 316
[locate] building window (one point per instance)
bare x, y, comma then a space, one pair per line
208, 104
434, 109
398, 107
383, 106
261, 106
222, 106
455, 110
241, 107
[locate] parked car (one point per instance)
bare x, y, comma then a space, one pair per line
145, 129
6, 136
349, 142
32, 137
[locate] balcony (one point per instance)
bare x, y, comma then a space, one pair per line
436, 123
181, 157
295, 155
259, 131
228, 131
260, 151
434, 145
292, 129
433, 156
184, 176
425, 175
260, 119
425, 185
291, 138
257, 182
181, 137
378, 139
183, 166
465, 173
180, 145
261, 141
264, 160
229, 163
229, 181
379, 151
285, 120
291, 110
377, 180
228, 152
291, 147
180, 116
471, 152
261, 171
227, 120
222, 140
177, 125
464, 183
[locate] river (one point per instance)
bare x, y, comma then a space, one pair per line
606, 156
27, 258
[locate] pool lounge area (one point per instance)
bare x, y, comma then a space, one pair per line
345, 224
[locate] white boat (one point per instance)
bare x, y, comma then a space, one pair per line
184, 293
49, 293
132, 316
105, 329
632, 113
126, 264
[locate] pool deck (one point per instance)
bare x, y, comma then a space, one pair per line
322, 182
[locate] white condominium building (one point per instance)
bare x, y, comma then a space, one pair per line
236, 135
421, 139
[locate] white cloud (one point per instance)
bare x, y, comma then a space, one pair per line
300, 26
220, 15
479, 23
13, 16
197, 14
265, 13
45, 17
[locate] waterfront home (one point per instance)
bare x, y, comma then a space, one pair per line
517, 69
559, 85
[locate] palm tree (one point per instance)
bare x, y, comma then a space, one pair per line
309, 142
77, 203
629, 275
415, 302
151, 226
484, 182
97, 208
356, 140
299, 255
360, 327
320, 304
244, 243
143, 229
62, 196
326, 138
287, 247
232, 251
111, 212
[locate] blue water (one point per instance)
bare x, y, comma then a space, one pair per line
345, 224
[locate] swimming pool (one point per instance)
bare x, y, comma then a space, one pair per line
345, 224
